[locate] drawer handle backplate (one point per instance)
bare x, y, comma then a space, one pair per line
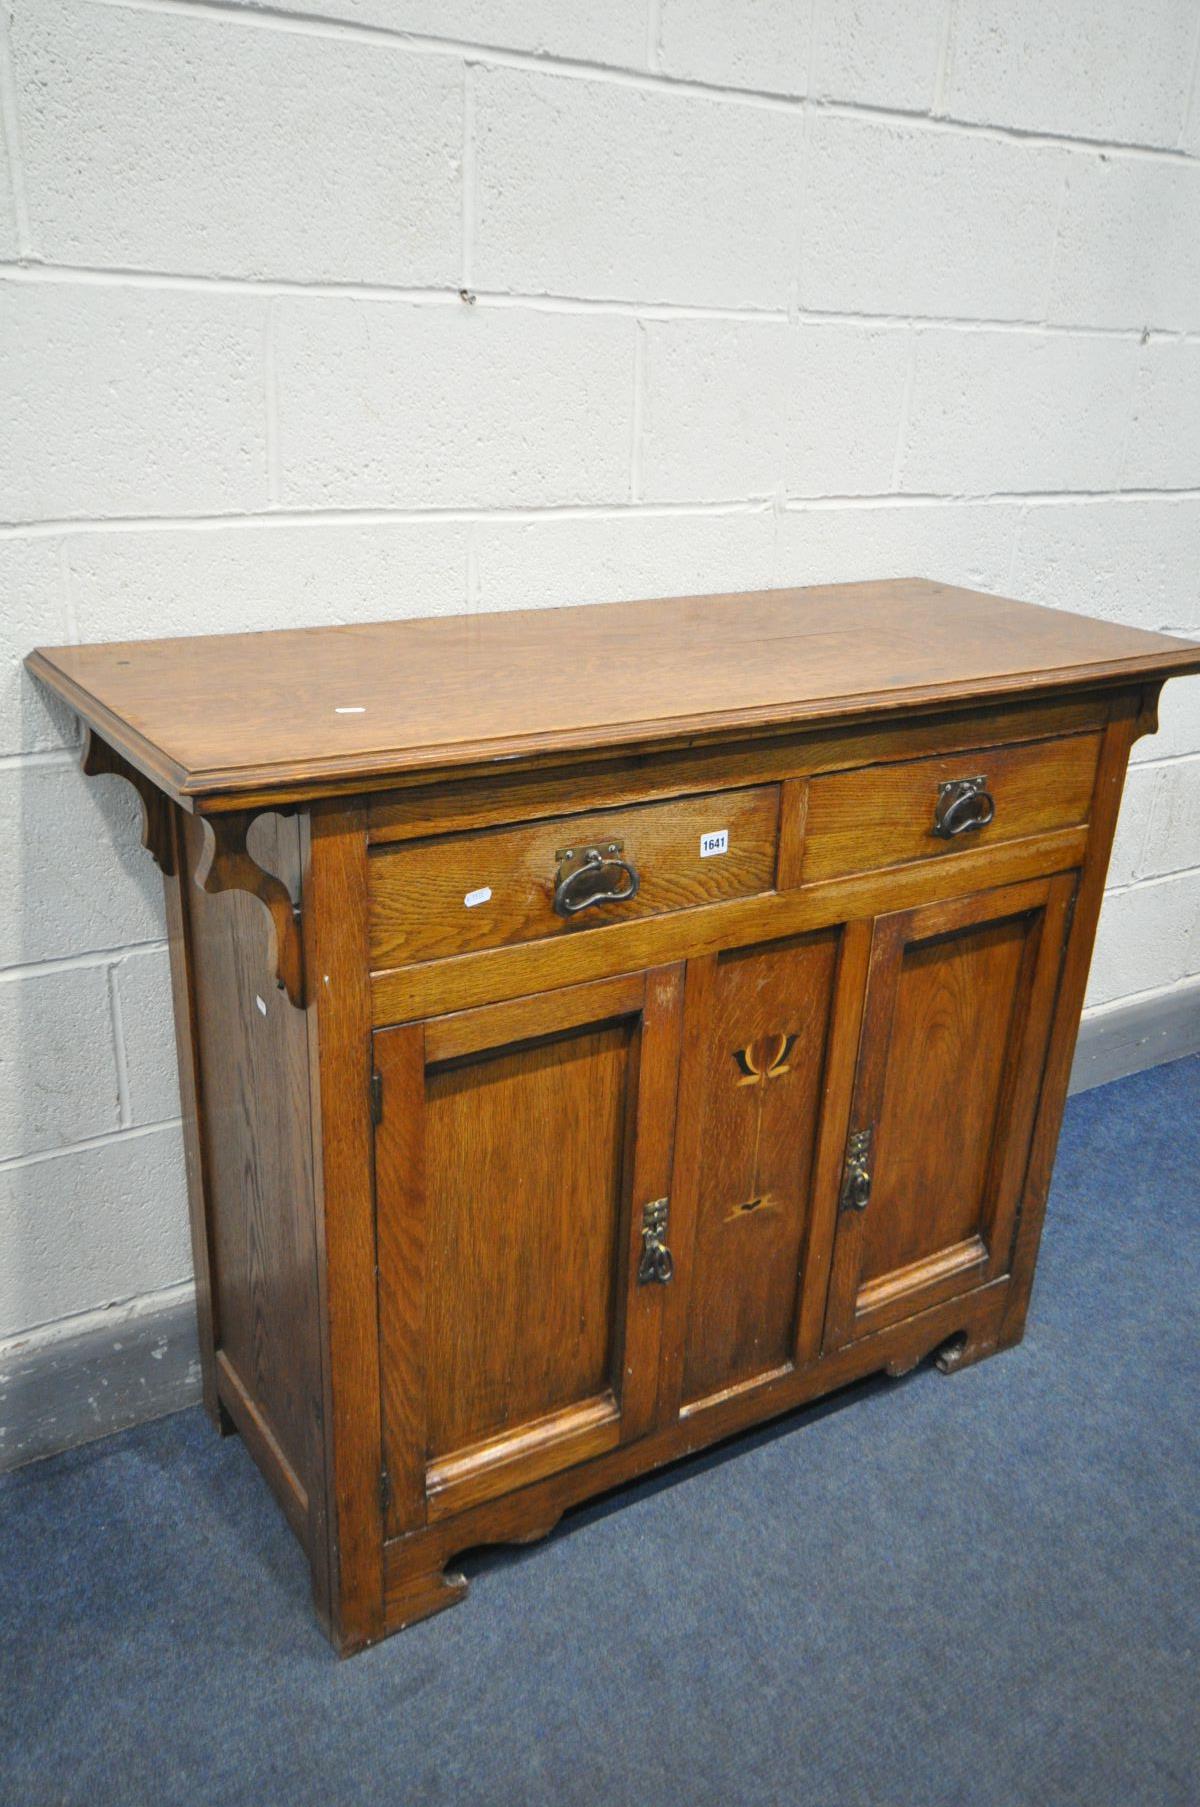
963, 805
588, 876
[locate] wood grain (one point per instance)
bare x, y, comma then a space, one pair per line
525, 1170
249, 713
251, 1072
858, 821
1132, 715
334, 852
415, 1583
225, 863
421, 808
793, 830
202, 1206
243, 1407
526, 1019
425, 1304
496, 887
956, 1018
497, 973
770, 1006
516, 1145
837, 1086
97, 759
401, 1240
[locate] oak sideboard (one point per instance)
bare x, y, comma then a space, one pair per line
603, 1028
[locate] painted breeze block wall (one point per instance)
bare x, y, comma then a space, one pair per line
356, 308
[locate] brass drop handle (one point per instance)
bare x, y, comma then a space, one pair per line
963, 805
657, 1263
588, 876
856, 1177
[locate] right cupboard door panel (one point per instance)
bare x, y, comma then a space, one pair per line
954, 1031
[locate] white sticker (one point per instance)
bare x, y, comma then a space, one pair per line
716, 842
350, 709
260, 1003
483, 895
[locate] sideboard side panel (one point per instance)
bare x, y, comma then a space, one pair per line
335, 922
177, 892
1132, 714
248, 1136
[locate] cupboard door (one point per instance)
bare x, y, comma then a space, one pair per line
955, 1023
517, 1148
759, 1027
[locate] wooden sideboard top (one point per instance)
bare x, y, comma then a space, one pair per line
308, 712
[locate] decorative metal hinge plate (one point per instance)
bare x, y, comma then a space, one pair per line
657, 1263
856, 1178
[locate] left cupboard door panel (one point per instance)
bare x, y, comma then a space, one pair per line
517, 1147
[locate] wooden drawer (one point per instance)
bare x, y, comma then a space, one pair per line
884, 815
493, 887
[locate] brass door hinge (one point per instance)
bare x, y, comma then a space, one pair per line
856, 1178
657, 1262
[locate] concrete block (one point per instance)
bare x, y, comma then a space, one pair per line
845, 394
1149, 937
1137, 802
201, 145
390, 405
613, 33
736, 409
766, 46
89, 1226
1016, 411
879, 53
621, 558
58, 1072
1128, 244
74, 878
1130, 560
714, 411
908, 220
1173, 835
1190, 137
1109, 71
958, 543
142, 984
1163, 448
603, 191
882, 55
10, 242
235, 579
129, 401
32, 613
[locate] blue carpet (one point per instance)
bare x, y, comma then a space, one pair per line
980, 1590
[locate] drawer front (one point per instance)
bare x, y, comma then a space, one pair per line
494, 887
888, 815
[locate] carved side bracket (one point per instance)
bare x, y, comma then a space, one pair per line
225, 864
98, 758
1147, 720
